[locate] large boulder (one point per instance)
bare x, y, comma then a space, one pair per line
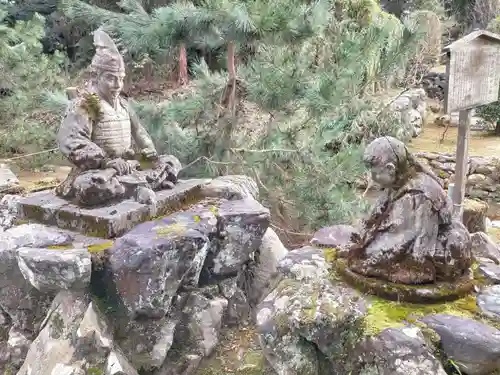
74, 340
196, 335
51, 270
148, 265
473, 346
9, 183
306, 311
483, 247
231, 187
474, 216
488, 301
241, 226
397, 351
19, 299
8, 211
270, 253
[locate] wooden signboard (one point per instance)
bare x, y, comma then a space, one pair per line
473, 71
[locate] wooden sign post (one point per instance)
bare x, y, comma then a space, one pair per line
473, 71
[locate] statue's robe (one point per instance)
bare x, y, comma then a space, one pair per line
88, 139
410, 237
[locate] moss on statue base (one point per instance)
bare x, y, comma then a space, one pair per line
389, 313
384, 314
430, 293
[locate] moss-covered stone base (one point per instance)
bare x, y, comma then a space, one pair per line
109, 221
432, 293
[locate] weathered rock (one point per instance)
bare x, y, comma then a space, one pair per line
484, 247
51, 270
34, 235
148, 264
416, 122
491, 272
301, 315
231, 187
243, 224
117, 364
8, 211
488, 301
336, 236
270, 253
397, 351
93, 335
304, 311
146, 342
24, 304
305, 264
483, 178
8, 180
238, 309
196, 336
434, 84
74, 340
108, 221
18, 345
53, 346
474, 217
473, 346
61, 369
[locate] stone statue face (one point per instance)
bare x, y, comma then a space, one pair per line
110, 84
383, 174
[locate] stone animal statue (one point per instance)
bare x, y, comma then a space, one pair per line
98, 135
410, 236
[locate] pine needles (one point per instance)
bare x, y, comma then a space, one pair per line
304, 72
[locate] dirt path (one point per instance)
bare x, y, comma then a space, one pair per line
480, 143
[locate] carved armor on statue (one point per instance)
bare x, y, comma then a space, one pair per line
97, 135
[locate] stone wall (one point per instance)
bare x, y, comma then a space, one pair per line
483, 175
434, 84
411, 106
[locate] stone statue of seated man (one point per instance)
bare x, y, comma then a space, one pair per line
410, 236
98, 134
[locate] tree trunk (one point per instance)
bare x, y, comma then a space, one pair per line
183, 70
231, 65
497, 128
230, 94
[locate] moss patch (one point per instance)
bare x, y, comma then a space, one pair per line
384, 314
60, 247
494, 233
238, 353
100, 247
330, 254
432, 293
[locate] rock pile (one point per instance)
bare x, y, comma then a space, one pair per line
483, 174
434, 84
151, 301
314, 323
476, 123
410, 107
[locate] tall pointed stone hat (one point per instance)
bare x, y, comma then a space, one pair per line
107, 57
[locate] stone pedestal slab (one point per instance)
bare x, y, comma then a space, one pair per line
109, 221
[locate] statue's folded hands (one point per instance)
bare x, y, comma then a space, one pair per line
121, 166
